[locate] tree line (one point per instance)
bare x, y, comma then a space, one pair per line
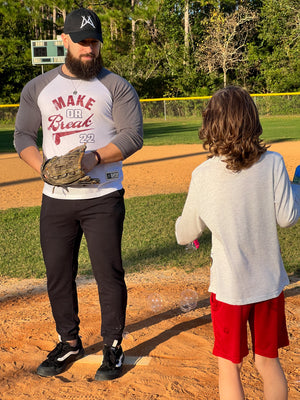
166, 48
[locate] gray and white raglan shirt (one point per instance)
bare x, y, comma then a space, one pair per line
71, 112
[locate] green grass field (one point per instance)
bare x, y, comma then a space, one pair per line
185, 131
149, 240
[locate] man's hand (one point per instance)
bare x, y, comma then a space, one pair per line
89, 161
66, 170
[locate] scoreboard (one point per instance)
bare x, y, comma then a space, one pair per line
47, 52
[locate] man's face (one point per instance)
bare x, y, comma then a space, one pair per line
83, 59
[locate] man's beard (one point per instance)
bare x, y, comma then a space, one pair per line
84, 70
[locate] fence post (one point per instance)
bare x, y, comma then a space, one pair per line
165, 110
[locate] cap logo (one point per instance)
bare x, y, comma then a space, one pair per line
86, 21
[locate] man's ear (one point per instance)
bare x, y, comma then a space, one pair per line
65, 38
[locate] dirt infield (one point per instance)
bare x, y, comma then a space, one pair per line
152, 170
168, 351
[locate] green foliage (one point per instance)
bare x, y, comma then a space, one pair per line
280, 46
154, 46
15, 31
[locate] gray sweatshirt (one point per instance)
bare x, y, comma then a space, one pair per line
242, 211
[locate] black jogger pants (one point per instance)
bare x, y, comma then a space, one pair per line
62, 224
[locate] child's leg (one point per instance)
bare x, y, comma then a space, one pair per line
230, 385
230, 331
275, 385
269, 333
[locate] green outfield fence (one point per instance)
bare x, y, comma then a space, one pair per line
267, 104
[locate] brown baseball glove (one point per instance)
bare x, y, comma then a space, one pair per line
66, 170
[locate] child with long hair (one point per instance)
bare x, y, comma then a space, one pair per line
240, 194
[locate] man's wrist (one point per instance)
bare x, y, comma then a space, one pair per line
97, 156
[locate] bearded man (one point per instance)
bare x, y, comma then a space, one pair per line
75, 103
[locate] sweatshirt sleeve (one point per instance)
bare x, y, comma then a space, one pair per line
189, 226
28, 120
287, 198
126, 112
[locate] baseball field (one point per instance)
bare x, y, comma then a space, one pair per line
168, 351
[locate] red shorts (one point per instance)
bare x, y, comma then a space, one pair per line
267, 325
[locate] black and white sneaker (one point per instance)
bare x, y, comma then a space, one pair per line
111, 368
60, 357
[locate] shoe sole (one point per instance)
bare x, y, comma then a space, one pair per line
108, 376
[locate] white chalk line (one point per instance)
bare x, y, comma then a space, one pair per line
129, 360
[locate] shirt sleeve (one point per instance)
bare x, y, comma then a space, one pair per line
189, 226
28, 120
287, 198
126, 113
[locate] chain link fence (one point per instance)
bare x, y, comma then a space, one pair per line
8, 114
267, 104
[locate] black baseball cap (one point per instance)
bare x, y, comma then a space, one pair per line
83, 24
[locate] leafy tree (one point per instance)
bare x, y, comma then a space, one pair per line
165, 47
279, 49
15, 32
224, 47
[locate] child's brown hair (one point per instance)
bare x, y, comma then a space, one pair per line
231, 128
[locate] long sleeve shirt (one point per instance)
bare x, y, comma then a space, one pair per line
242, 211
71, 112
